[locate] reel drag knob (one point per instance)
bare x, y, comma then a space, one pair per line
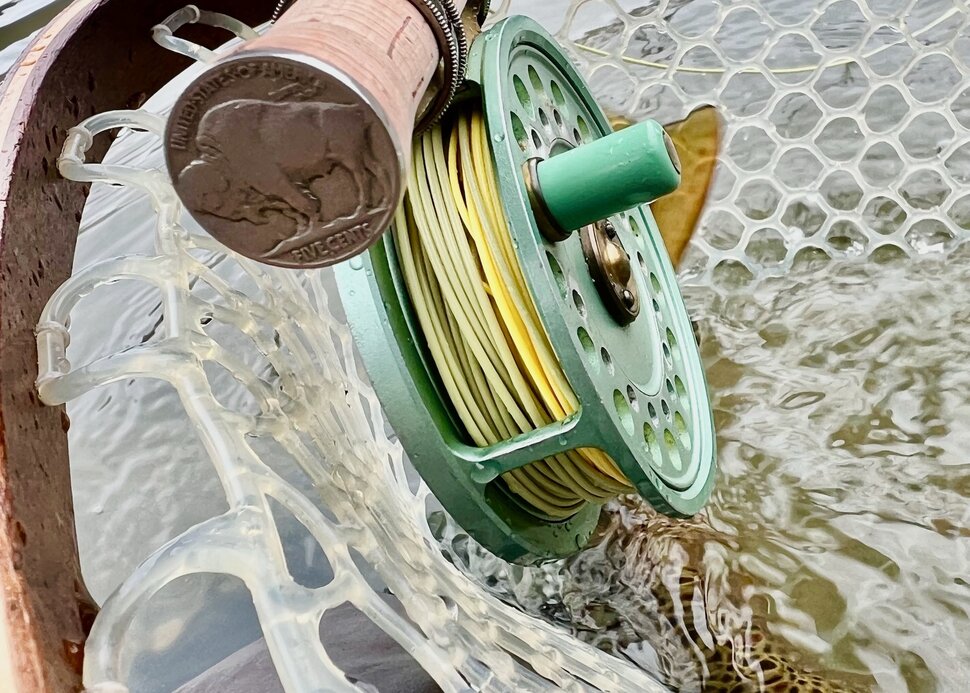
605, 297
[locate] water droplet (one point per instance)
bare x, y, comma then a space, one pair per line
357, 263
481, 474
500, 137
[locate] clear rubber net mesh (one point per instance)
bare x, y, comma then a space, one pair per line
221, 416
842, 118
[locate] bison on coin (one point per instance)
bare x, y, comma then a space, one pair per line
257, 159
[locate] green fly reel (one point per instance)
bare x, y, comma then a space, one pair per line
576, 198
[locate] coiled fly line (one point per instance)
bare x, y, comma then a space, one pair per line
479, 321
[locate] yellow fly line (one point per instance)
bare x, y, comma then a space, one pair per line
480, 323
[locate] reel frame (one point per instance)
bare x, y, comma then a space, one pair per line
464, 478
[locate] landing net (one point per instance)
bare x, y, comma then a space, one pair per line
840, 143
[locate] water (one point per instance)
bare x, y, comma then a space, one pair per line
839, 531
840, 523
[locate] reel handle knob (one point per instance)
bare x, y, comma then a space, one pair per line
292, 150
623, 170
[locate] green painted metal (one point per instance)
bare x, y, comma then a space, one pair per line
642, 388
387, 333
610, 175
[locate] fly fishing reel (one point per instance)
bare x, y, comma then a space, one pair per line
522, 325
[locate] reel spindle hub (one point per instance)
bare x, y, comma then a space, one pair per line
576, 196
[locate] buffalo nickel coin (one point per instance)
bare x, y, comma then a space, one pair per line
282, 162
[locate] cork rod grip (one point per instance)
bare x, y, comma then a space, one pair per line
385, 46
292, 150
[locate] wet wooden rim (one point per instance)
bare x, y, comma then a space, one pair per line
96, 56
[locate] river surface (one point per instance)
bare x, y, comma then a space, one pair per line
840, 524
841, 513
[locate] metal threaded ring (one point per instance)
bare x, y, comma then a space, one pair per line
445, 22
281, 7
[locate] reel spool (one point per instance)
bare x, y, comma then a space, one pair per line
576, 197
